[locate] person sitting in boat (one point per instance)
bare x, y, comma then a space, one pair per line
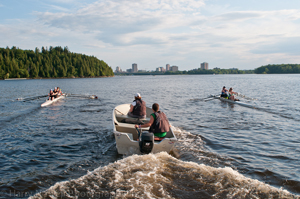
59, 92
224, 92
138, 107
51, 95
55, 92
159, 123
231, 95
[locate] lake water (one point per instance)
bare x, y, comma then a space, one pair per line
224, 150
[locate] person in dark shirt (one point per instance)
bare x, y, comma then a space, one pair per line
159, 123
138, 107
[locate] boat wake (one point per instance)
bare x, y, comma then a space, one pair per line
162, 175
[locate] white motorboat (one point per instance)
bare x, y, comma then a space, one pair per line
48, 102
127, 137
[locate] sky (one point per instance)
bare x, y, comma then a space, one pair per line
243, 34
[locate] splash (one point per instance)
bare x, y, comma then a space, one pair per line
162, 176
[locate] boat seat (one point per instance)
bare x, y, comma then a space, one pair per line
121, 117
120, 124
159, 138
129, 128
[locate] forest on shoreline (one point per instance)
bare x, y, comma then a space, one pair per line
55, 62
58, 62
278, 69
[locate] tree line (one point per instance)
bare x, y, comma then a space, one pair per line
268, 69
278, 69
194, 72
49, 63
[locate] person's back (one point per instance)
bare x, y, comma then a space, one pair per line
160, 125
138, 107
224, 92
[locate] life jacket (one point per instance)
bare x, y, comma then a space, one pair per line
140, 108
160, 123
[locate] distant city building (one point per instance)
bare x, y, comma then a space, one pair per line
174, 68
118, 69
142, 71
204, 66
162, 69
129, 70
167, 67
158, 69
134, 68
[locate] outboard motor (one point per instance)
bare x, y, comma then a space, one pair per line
146, 142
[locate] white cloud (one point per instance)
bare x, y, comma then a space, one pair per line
160, 31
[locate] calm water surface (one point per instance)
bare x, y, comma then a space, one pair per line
224, 150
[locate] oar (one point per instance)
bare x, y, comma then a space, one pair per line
84, 96
211, 98
204, 99
33, 98
243, 96
119, 111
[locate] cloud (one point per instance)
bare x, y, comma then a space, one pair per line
181, 32
238, 16
116, 21
288, 46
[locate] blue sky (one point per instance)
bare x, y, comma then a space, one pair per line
226, 34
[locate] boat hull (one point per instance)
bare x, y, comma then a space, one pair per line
234, 102
48, 102
126, 135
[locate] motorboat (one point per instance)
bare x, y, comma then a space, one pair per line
130, 140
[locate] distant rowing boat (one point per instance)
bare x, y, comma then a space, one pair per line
233, 102
48, 102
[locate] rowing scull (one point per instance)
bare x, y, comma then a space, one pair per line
233, 102
48, 102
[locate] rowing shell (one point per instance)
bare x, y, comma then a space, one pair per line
233, 102
48, 102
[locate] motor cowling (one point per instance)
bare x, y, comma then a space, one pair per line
146, 142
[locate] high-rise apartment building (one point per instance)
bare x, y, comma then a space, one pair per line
204, 65
134, 68
167, 67
174, 68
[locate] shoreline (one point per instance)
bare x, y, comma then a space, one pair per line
54, 78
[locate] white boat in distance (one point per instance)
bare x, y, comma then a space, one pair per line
127, 136
48, 102
233, 102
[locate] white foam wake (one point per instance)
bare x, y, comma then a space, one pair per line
162, 176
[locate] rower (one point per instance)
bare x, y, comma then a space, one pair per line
231, 95
59, 91
55, 92
51, 95
224, 92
